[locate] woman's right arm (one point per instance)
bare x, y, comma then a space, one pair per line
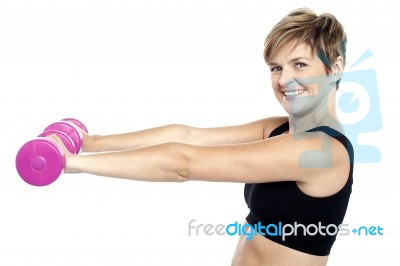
181, 133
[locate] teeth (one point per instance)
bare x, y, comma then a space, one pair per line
293, 93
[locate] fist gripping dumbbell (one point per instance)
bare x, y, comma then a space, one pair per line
41, 161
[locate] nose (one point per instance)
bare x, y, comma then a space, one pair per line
286, 78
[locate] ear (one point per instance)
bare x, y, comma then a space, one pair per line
337, 67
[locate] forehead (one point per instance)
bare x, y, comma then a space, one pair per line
292, 50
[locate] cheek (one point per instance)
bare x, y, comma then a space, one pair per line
316, 85
275, 82
276, 89
313, 89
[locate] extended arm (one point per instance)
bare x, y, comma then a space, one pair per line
280, 158
183, 134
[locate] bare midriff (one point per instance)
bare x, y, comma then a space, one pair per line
261, 251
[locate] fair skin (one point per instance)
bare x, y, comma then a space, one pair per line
242, 154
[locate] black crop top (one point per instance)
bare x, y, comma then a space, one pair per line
282, 206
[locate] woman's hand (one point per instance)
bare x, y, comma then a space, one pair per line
68, 155
87, 141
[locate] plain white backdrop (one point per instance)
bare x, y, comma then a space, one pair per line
122, 66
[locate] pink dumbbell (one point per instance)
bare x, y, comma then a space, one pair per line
41, 161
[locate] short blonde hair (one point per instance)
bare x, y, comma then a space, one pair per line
323, 33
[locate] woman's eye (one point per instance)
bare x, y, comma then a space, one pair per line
300, 65
276, 69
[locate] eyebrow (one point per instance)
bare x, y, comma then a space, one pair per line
291, 60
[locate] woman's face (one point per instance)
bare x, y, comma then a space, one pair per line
299, 79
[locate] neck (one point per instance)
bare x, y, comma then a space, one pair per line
322, 115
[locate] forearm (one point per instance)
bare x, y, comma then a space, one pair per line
164, 162
143, 138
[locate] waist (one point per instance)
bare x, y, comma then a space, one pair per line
311, 238
262, 251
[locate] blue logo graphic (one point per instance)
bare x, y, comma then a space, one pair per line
361, 110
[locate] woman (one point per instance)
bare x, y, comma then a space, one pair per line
297, 169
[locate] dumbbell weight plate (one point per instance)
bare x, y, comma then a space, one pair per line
40, 162
70, 129
77, 122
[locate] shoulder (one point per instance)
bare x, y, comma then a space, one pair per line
272, 123
322, 150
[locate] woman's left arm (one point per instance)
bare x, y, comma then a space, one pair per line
289, 157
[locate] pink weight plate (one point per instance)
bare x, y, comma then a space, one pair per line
77, 122
40, 162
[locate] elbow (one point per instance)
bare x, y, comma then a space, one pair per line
188, 135
180, 161
182, 175
182, 133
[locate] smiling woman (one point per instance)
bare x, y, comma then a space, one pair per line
297, 169
297, 71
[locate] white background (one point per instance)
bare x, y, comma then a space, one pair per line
127, 65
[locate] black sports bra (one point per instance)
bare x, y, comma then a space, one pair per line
278, 207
